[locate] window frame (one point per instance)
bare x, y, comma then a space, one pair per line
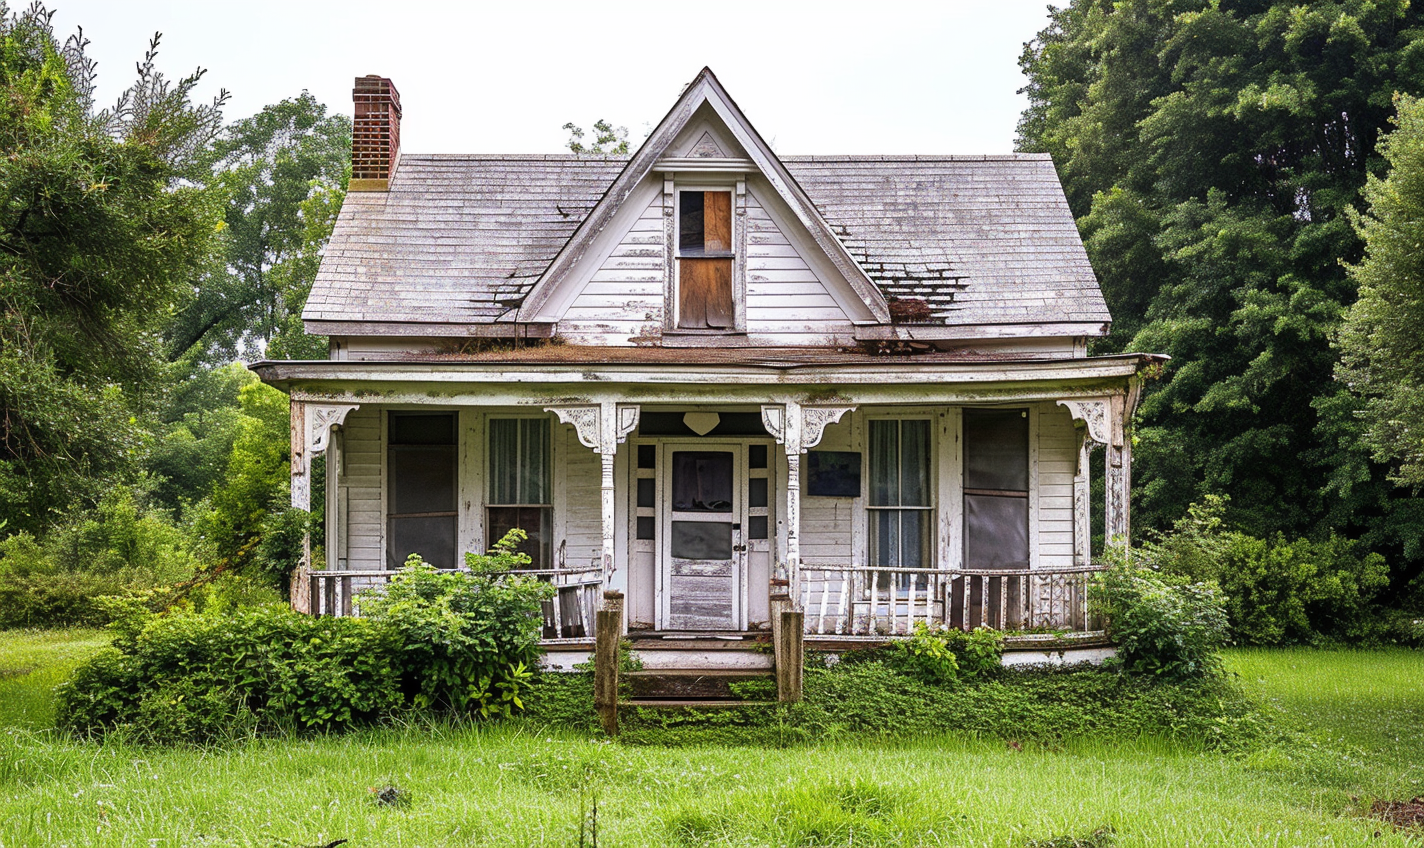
545, 560
387, 479
735, 186
929, 510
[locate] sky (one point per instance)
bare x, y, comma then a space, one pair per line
874, 76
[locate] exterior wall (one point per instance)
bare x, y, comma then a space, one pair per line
361, 493
833, 529
786, 302
1057, 459
625, 295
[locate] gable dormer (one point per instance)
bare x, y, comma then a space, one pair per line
705, 233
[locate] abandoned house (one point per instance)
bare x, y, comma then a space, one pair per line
714, 379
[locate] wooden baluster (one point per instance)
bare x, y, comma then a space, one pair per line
346, 596
874, 618
841, 604
825, 600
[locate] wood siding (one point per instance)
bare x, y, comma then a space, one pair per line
576, 501
624, 298
786, 302
361, 482
1057, 457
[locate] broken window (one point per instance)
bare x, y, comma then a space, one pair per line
995, 489
704, 251
421, 495
899, 507
519, 485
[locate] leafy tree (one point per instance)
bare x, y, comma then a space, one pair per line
196, 430
285, 171
1383, 338
104, 221
1210, 150
608, 140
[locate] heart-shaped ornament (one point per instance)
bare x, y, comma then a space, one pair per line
702, 423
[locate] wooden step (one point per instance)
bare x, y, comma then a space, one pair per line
686, 704
687, 683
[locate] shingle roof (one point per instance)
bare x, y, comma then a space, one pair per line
461, 239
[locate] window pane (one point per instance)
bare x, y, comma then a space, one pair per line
757, 526
421, 428
519, 461
717, 221
884, 463
647, 456
756, 456
533, 461
915, 463
757, 491
534, 521
689, 229
432, 538
504, 460
701, 540
995, 532
996, 449
704, 294
647, 527
422, 479
702, 481
885, 538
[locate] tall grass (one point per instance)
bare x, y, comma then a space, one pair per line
32, 663
520, 785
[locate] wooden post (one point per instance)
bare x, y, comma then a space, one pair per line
790, 654
608, 631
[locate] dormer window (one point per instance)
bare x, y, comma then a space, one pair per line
705, 257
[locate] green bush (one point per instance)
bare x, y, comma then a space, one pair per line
1162, 630
467, 639
942, 655
122, 546
457, 642
1281, 592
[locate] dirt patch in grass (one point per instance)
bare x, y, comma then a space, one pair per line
1401, 814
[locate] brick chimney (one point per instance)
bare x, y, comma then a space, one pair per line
375, 134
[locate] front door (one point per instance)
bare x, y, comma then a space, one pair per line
702, 555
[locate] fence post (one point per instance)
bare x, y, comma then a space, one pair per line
790, 654
608, 631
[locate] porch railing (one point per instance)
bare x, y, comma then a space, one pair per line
867, 601
569, 614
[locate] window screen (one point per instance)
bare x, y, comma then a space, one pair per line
421, 490
704, 250
519, 484
995, 488
899, 507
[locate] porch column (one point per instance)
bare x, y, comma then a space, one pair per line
1119, 476
798, 428
603, 427
311, 425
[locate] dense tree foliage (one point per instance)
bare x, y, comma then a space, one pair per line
104, 219
1210, 150
1383, 337
284, 172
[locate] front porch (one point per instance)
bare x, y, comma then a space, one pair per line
956, 495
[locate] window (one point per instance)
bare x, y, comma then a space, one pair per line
421, 494
899, 503
995, 488
704, 260
519, 487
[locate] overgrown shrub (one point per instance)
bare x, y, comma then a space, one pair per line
456, 642
1279, 591
122, 546
942, 655
1162, 629
1282, 592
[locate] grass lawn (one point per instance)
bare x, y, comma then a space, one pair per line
1361, 717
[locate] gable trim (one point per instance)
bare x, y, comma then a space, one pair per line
704, 89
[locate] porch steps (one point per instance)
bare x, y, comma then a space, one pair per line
693, 685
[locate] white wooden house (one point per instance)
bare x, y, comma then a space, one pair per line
707, 373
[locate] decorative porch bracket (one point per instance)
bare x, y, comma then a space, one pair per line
311, 435
798, 427
1103, 422
602, 427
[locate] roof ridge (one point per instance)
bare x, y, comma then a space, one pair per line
866, 157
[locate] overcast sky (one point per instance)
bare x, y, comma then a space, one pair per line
814, 77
